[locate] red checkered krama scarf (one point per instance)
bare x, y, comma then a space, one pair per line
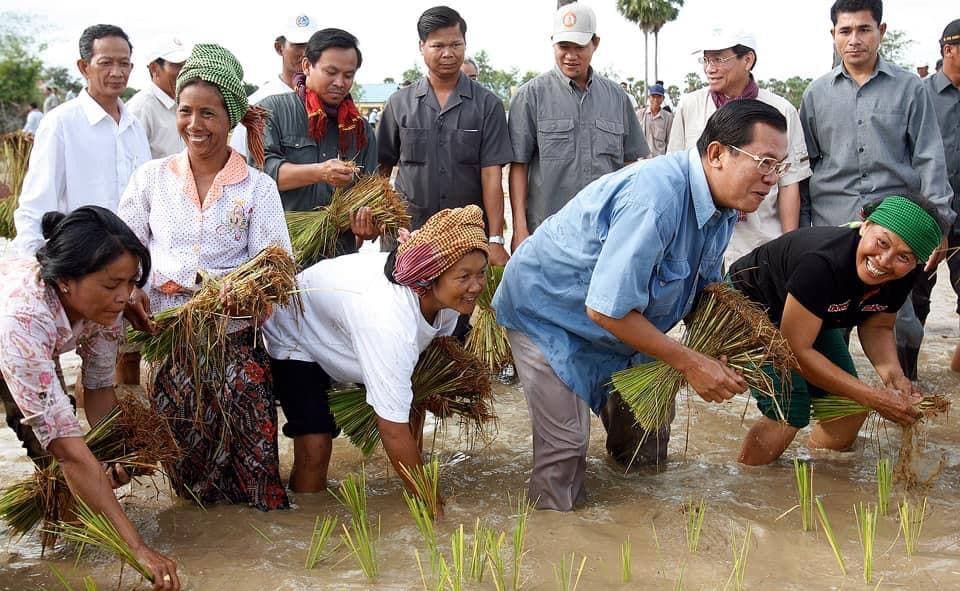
350, 122
447, 236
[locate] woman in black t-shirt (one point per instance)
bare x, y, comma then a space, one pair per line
817, 282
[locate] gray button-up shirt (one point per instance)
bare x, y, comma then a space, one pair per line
946, 102
868, 142
440, 151
570, 138
656, 130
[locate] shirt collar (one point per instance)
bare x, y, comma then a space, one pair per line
703, 203
940, 81
883, 66
234, 172
464, 87
162, 96
95, 113
570, 82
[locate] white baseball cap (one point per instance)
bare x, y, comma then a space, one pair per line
575, 23
721, 38
172, 50
299, 28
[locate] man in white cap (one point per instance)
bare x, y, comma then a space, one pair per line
568, 126
155, 106
728, 57
290, 45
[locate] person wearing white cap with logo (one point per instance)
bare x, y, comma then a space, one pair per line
154, 106
728, 57
290, 45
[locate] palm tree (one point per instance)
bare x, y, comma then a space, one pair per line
650, 16
668, 12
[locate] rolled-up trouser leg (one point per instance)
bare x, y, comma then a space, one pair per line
560, 421
627, 442
909, 333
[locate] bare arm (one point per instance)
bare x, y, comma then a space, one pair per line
517, 182
879, 344
491, 180
402, 448
333, 172
788, 207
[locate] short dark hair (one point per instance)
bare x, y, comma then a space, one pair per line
733, 123
34, 105
740, 51
85, 241
94, 32
924, 203
439, 17
325, 39
874, 6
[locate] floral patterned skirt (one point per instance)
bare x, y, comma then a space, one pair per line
226, 428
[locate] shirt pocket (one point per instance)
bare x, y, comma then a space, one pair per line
413, 145
666, 289
300, 149
554, 137
608, 139
466, 146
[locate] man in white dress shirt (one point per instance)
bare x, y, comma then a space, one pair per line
86, 149
155, 106
290, 46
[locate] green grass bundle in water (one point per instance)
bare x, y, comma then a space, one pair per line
724, 323
314, 233
447, 382
14, 157
131, 435
487, 340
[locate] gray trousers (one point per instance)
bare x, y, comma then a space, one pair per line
560, 421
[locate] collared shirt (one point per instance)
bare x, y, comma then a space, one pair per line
570, 137
80, 156
946, 102
157, 112
656, 130
440, 151
33, 121
238, 139
240, 216
871, 141
762, 225
647, 238
34, 331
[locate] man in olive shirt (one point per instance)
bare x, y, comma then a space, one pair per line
568, 126
447, 133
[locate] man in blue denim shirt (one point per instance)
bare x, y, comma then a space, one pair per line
605, 277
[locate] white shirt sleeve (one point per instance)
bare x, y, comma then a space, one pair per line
267, 224
42, 187
238, 139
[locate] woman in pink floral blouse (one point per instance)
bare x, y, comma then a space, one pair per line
71, 297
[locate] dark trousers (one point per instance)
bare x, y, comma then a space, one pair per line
24, 432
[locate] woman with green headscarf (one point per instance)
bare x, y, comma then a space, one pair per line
817, 282
205, 212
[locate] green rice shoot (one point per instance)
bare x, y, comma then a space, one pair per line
911, 523
695, 512
740, 551
524, 508
425, 480
831, 537
457, 572
322, 530
884, 485
803, 479
478, 554
833, 407
494, 549
359, 536
95, 530
867, 533
564, 572
626, 568
424, 522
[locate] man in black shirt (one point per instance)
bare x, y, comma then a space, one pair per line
817, 281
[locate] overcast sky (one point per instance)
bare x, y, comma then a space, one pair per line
792, 36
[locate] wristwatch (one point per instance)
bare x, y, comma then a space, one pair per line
496, 240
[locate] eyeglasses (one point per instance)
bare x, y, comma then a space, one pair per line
766, 165
715, 61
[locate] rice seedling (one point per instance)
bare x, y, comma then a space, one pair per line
626, 569
322, 530
564, 575
884, 485
739, 561
678, 582
424, 522
447, 381
15, 150
828, 408
494, 552
524, 509
803, 478
314, 233
97, 531
478, 554
425, 480
441, 581
695, 512
911, 523
828, 531
359, 537
457, 569
867, 533
487, 340
131, 435
911, 441
724, 323
260, 533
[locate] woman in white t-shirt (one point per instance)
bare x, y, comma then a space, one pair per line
365, 318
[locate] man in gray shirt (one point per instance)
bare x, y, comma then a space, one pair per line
447, 133
568, 126
871, 132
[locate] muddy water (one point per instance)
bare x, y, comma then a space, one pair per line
218, 549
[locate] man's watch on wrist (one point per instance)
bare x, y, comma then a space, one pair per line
498, 239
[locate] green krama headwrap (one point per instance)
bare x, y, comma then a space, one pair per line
214, 64
910, 222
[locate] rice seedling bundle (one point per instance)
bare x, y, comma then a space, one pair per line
724, 323
98, 531
831, 538
131, 435
447, 381
314, 233
193, 335
829, 408
803, 478
911, 523
487, 340
911, 438
867, 533
14, 157
359, 537
426, 484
